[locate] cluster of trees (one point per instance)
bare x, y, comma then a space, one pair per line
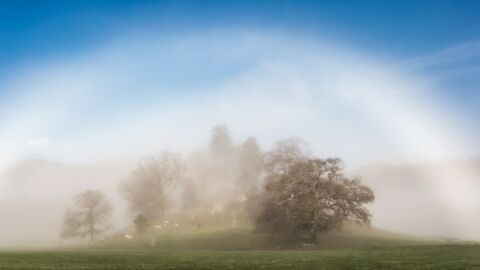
286, 191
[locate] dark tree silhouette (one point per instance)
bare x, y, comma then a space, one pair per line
313, 196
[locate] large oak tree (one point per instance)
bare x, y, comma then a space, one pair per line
309, 195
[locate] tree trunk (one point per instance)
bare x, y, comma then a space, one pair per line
153, 241
313, 236
234, 220
91, 226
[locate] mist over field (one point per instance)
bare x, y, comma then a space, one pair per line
36, 193
102, 117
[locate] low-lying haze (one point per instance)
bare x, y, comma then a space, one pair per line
75, 118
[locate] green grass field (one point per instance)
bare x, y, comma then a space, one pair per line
416, 257
352, 248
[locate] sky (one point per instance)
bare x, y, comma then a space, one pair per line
368, 81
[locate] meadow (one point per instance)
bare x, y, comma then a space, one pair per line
412, 257
351, 248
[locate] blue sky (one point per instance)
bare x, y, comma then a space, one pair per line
40, 28
34, 31
122, 59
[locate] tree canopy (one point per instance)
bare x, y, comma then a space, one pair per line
311, 195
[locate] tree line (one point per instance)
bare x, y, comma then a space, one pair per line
285, 191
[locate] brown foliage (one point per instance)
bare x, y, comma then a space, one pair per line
312, 196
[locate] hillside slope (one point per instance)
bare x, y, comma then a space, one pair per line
244, 238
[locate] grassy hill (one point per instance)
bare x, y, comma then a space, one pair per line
176, 238
353, 247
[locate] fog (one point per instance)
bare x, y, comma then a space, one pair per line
409, 198
426, 198
37, 192
84, 122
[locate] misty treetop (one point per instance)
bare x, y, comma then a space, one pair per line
215, 181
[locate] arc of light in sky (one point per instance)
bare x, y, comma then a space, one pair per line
340, 77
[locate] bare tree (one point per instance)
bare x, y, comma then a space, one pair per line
313, 196
89, 216
250, 167
222, 162
190, 195
145, 188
